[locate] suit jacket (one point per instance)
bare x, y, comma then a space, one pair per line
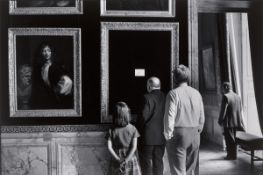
230, 114
150, 122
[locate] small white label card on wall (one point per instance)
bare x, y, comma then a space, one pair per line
139, 72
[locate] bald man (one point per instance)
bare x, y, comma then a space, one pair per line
150, 125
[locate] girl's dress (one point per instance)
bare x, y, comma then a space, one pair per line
121, 138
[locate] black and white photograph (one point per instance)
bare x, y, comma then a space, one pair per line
131, 87
138, 8
44, 68
48, 7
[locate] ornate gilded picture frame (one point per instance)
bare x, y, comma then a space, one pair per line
45, 7
44, 72
143, 28
138, 8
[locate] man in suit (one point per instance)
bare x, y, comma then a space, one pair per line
183, 123
150, 126
231, 119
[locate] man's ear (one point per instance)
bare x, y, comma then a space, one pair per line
149, 88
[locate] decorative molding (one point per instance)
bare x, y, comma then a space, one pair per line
131, 26
53, 128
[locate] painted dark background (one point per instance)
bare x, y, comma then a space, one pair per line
148, 50
27, 48
147, 5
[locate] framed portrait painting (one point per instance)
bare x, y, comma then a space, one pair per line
138, 8
42, 7
142, 50
209, 73
44, 72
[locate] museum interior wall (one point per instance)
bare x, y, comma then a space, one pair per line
89, 22
211, 49
48, 141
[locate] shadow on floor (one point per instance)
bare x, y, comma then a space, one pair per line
211, 162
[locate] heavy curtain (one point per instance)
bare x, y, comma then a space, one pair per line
255, 20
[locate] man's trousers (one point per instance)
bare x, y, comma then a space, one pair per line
151, 159
230, 138
183, 150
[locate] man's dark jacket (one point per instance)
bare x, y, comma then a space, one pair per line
230, 115
150, 122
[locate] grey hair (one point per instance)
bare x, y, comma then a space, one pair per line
154, 82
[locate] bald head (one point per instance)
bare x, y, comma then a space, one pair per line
153, 83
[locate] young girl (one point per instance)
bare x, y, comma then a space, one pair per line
122, 143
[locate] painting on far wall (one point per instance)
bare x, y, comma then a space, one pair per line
44, 72
27, 7
138, 8
209, 69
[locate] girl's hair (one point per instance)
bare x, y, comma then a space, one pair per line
121, 114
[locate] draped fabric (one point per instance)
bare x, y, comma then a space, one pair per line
255, 19
239, 51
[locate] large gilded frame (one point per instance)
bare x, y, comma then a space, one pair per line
56, 10
138, 13
75, 33
106, 27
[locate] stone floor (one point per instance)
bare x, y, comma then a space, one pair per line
212, 162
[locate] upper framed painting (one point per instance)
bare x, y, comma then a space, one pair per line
45, 7
138, 8
44, 72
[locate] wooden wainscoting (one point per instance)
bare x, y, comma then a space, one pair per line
54, 150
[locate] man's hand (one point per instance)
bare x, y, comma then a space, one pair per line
64, 86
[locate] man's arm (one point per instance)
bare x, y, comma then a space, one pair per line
222, 111
145, 113
202, 116
169, 115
